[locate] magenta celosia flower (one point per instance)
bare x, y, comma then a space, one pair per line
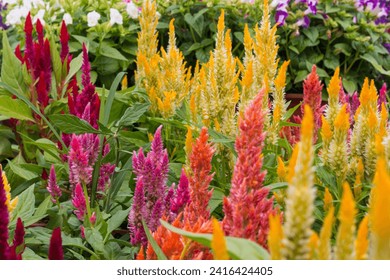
312, 96
79, 169
4, 220
64, 39
382, 95
182, 196
55, 248
247, 208
18, 245
78, 201
92, 219
52, 186
137, 213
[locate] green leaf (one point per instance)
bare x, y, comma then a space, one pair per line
112, 53
71, 124
311, 33
11, 73
301, 75
216, 199
277, 186
111, 97
375, 63
116, 220
342, 48
21, 172
74, 67
56, 61
95, 239
156, 248
238, 248
133, 113
26, 205
290, 112
15, 108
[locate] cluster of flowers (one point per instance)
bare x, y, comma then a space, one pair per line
379, 8
17, 12
281, 7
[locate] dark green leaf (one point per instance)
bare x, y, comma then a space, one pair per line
71, 124
112, 53
15, 108
133, 113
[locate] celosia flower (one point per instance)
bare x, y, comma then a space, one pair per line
247, 208
93, 18
92, 219
312, 96
361, 242
4, 220
218, 242
182, 196
80, 170
380, 213
200, 178
313, 246
64, 39
382, 95
55, 248
52, 186
18, 245
324, 249
300, 194
79, 202
345, 236
11, 203
275, 236
137, 213
333, 102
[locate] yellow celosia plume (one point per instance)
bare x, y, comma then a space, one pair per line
313, 246
281, 170
218, 242
326, 132
334, 85
379, 213
280, 81
324, 250
275, 236
345, 235
361, 243
11, 203
328, 200
342, 120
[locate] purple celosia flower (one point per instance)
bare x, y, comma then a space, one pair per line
52, 185
79, 202
182, 196
137, 234
4, 220
79, 169
382, 95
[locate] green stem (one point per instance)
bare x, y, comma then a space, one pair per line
87, 201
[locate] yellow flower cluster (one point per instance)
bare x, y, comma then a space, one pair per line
11, 203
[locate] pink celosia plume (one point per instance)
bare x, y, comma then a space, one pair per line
79, 202
52, 186
4, 220
247, 208
55, 248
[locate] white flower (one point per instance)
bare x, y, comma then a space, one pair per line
67, 18
93, 18
115, 17
14, 16
132, 10
39, 16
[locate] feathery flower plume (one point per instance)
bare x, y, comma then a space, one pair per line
80, 170
52, 186
379, 214
137, 212
275, 236
247, 208
300, 194
361, 242
79, 202
324, 249
4, 220
199, 179
313, 246
333, 102
10, 203
279, 103
326, 134
55, 248
345, 236
18, 246
357, 187
312, 96
382, 95
338, 148
328, 200
64, 40
218, 242
182, 197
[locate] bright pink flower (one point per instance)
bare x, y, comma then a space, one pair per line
182, 196
247, 208
382, 95
80, 170
354, 104
55, 248
137, 213
78, 201
92, 219
52, 185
